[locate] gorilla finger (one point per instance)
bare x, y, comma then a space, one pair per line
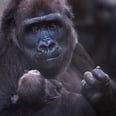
100, 75
89, 78
85, 85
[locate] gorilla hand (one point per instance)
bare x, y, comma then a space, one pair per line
97, 87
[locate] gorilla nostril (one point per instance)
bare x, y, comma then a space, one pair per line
52, 45
43, 47
47, 45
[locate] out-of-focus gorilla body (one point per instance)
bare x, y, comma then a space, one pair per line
84, 22
101, 47
100, 38
39, 34
105, 34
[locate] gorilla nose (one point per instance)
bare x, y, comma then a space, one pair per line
47, 45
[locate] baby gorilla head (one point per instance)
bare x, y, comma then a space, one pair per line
36, 91
31, 87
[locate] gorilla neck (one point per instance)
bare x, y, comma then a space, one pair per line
54, 72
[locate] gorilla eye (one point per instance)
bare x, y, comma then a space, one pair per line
34, 29
53, 26
43, 26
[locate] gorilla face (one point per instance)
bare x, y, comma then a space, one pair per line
47, 41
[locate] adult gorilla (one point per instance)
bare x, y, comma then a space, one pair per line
39, 34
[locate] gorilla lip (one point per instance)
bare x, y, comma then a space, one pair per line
53, 58
50, 57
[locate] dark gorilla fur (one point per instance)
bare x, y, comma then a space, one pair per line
52, 49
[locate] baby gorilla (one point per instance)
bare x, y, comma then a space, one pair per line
36, 91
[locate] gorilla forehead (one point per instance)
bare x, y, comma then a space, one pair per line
41, 7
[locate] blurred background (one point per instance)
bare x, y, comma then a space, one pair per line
2, 5
95, 22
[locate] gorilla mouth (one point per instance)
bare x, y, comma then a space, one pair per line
49, 56
53, 58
